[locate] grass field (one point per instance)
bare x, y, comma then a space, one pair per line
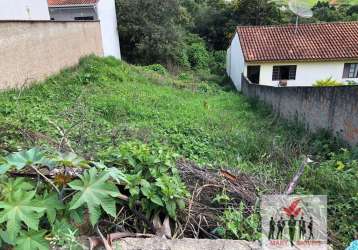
200, 121
103, 103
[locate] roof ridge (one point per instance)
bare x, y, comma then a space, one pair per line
292, 24
314, 41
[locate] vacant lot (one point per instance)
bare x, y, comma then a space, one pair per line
103, 103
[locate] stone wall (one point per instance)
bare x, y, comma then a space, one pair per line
332, 108
32, 50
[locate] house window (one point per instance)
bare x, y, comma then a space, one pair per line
285, 72
83, 18
253, 73
350, 70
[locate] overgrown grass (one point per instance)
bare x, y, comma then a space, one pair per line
103, 103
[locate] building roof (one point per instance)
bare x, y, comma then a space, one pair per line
70, 2
311, 42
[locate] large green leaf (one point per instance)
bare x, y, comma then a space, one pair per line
95, 190
32, 240
71, 160
9, 186
52, 204
22, 159
20, 207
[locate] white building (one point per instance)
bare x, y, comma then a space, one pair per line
102, 10
24, 10
294, 56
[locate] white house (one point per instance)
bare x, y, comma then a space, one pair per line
102, 10
294, 56
24, 10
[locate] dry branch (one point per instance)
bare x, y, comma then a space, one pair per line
292, 185
201, 215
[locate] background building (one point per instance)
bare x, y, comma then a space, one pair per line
103, 10
287, 55
24, 10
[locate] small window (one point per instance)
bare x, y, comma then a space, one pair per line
350, 70
253, 73
83, 18
285, 72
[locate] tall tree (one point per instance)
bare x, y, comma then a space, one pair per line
256, 12
150, 31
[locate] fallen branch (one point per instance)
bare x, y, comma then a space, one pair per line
240, 186
104, 240
292, 185
46, 179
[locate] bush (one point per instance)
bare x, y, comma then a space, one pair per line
337, 177
217, 63
329, 82
158, 68
351, 83
33, 208
198, 56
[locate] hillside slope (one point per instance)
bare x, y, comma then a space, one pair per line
103, 103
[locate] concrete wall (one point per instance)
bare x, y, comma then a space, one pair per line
307, 72
236, 66
24, 10
70, 13
332, 108
31, 51
106, 10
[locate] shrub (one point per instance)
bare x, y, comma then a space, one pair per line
152, 177
351, 83
337, 177
217, 63
238, 225
329, 82
158, 68
31, 208
198, 56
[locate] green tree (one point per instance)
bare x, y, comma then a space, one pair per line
150, 31
256, 12
213, 22
323, 11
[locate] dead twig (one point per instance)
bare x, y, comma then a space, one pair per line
292, 185
64, 139
104, 240
46, 179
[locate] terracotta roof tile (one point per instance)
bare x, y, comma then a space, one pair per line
70, 2
328, 41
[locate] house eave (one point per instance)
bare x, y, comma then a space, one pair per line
72, 6
307, 60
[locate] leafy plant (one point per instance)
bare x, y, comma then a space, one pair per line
96, 192
70, 160
20, 207
65, 235
221, 198
22, 159
32, 240
157, 68
329, 82
239, 225
152, 177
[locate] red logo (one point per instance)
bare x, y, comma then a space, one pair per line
293, 209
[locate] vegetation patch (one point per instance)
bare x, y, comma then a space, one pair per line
130, 124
